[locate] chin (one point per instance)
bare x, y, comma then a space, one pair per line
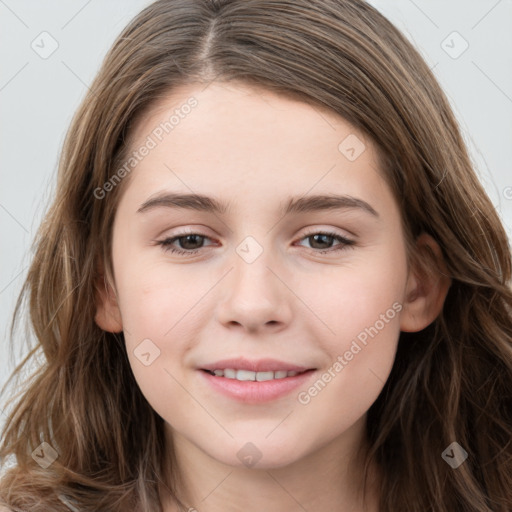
257, 455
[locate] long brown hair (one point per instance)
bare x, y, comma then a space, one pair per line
451, 382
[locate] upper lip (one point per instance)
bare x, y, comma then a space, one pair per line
260, 365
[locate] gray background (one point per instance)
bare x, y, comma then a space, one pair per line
38, 97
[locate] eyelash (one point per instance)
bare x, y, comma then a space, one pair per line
345, 243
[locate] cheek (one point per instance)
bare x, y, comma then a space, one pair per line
153, 298
355, 298
362, 307
161, 318
373, 300
155, 317
364, 316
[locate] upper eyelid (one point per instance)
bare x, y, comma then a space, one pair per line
329, 231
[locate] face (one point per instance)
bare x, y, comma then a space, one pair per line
272, 278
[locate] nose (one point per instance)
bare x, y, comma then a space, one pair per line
255, 296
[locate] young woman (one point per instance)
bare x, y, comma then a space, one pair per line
269, 280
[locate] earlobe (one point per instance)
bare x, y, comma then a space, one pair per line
426, 287
108, 314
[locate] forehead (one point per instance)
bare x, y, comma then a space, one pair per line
233, 136
233, 106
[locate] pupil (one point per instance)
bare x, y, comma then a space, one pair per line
320, 235
187, 239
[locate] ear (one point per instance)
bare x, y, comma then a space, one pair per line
108, 314
427, 286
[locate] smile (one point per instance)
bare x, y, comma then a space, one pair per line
251, 387
244, 375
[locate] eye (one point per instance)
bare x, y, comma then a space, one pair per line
325, 239
191, 243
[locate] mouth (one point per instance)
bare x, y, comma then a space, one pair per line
247, 375
251, 387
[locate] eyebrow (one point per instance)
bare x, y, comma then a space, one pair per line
304, 204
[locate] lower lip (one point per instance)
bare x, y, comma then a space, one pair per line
253, 392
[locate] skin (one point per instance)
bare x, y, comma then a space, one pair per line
254, 149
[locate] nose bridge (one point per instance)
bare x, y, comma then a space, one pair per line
253, 295
252, 276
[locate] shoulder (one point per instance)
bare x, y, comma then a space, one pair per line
4, 509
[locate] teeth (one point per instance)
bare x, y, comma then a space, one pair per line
244, 375
262, 376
